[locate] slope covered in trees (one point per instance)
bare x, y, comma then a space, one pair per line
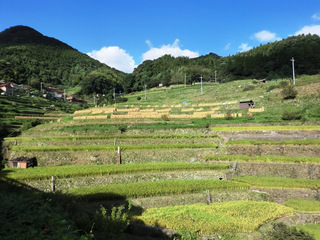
28, 57
266, 61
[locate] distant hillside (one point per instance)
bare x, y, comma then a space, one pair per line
28, 57
271, 61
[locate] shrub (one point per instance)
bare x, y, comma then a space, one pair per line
291, 114
289, 92
111, 224
248, 88
228, 115
270, 88
165, 117
283, 232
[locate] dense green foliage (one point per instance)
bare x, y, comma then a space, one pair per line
266, 61
28, 57
29, 217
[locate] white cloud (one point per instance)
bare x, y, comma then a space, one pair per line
266, 36
173, 49
227, 47
244, 47
114, 57
314, 29
316, 17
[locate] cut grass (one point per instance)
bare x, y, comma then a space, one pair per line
235, 216
274, 159
71, 171
279, 183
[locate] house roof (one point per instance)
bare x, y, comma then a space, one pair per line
245, 101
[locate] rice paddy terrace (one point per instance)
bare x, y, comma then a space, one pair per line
195, 163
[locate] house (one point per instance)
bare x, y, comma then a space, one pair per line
74, 99
246, 104
6, 87
22, 162
52, 91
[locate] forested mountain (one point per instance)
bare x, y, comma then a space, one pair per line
28, 57
266, 61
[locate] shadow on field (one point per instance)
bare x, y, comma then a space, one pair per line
50, 215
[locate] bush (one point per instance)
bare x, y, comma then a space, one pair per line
283, 232
111, 224
289, 92
270, 88
248, 88
291, 114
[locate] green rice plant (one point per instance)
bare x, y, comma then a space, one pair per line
304, 206
313, 229
269, 142
149, 189
226, 217
71, 171
118, 136
267, 128
279, 183
106, 147
277, 159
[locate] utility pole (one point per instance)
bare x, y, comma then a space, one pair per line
201, 86
114, 96
145, 92
293, 76
215, 76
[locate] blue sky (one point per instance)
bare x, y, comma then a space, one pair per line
124, 33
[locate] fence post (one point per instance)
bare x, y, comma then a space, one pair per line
209, 200
53, 187
119, 155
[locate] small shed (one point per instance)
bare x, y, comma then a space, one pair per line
22, 162
246, 104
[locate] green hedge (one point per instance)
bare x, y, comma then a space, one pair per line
70, 171
149, 189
